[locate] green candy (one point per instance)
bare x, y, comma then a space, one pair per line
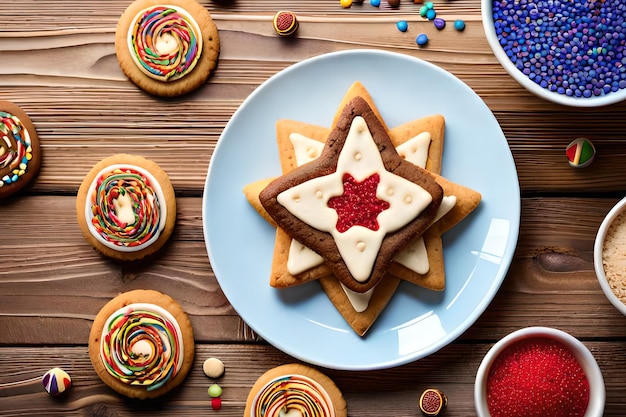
215, 391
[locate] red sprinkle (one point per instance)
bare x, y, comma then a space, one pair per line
537, 378
358, 205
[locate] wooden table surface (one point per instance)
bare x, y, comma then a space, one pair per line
58, 62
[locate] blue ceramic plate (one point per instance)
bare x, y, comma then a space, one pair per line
301, 321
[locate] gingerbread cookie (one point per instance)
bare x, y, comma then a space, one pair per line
167, 48
319, 204
141, 344
20, 154
295, 389
126, 207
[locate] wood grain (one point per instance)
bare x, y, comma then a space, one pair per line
58, 63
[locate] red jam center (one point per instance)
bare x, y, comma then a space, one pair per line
537, 378
358, 205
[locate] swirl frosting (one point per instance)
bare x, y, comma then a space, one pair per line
125, 208
142, 344
294, 395
165, 42
15, 148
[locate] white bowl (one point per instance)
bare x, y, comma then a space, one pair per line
597, 255
597, 393
530, 85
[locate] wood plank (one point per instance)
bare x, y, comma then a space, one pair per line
368, 393
57, 280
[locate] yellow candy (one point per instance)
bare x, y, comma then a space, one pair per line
23, 166
345, 3
29, 156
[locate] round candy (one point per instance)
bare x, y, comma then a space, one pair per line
439, 23
394, 3
580, 153
345, 3
215, 391
216, 403
432, 402
430, 14
402, 25
56, 381
459, 25
421, 39
423, 11
375, 3
213, 368
285, 23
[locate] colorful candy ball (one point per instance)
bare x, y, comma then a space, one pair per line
216, 403
439, 23
459, 25
56, 381
345, 3
422, 39
580, 153
285, 23
402, 25
215, 391
375, 3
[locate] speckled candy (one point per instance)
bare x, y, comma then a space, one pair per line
285, 23
56, 381
432, 402
580, 152
575, 48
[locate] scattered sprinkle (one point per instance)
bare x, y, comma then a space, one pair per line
421, 39
439, 23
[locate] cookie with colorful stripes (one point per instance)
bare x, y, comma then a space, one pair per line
141, 344
20, 153
167, 48
126, 207
295, 389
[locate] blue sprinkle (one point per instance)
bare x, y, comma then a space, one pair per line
421, 39
459, 25
439, 23
402, 25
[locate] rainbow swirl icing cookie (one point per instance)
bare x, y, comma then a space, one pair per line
15, 149
295, 395
165, 42
142, 344
125, 208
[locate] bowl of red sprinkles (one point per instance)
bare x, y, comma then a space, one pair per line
571, 52
539, 372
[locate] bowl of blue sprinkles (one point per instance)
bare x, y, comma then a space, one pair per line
570, 52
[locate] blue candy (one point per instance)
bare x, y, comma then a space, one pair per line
402, 25
421, 39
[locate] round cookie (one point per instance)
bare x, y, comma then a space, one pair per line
167, 47
294, 387
126, 207
151, 338
20, 154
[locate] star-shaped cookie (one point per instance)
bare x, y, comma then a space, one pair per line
295, 140
307, 202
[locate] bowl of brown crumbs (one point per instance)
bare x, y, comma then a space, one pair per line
609, 255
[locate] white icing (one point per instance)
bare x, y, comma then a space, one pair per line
415, 150
359, 157
306, 149
359, 301
124, 208
158, 193
301, 258
415, 256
